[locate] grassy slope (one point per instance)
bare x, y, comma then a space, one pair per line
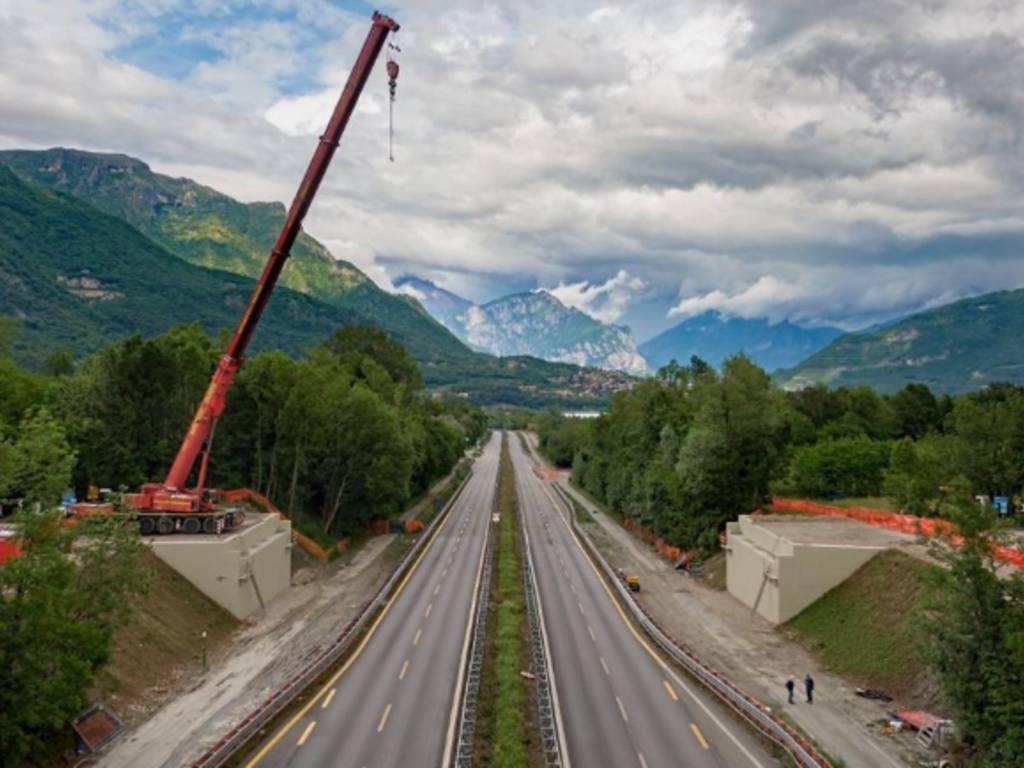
864, 628
161, 642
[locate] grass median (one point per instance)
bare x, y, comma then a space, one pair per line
506, 736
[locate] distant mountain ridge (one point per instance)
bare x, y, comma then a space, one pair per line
534, 323
713, 337
954, 348
444, 306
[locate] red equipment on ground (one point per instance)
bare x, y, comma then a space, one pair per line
171, 506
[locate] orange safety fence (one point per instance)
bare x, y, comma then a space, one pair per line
932, 527
660, 546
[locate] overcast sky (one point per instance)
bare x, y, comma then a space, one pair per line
825, 161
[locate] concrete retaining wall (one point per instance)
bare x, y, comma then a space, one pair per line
241, 571
778, 576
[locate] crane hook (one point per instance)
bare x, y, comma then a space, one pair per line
392, 67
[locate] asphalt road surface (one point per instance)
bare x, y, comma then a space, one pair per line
621, 705
392, 704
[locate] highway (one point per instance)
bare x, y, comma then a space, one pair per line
391, 704
621, 705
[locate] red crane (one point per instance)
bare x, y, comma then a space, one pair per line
169, 506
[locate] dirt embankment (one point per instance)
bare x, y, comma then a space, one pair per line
162, 644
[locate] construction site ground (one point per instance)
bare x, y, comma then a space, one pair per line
748, 649
198, 706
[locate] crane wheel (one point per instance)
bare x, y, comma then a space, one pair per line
165, 525
147, 526
209, 525
191, 525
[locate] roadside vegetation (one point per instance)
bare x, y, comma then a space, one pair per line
58, 618
506, 736
342, 436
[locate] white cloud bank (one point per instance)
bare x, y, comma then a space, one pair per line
606, 301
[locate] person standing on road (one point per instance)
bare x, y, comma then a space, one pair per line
809, 687
790, 687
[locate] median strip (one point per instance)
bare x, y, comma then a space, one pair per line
506, 733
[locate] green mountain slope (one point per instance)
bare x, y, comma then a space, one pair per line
78, 278
954, 348
210, 229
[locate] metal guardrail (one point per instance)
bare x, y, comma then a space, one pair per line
547, 709
752, 711
470, 694
244, 730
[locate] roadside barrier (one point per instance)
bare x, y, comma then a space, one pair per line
469, 704
932, 527
247, 727
759, 716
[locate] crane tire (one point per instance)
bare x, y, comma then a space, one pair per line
191, 525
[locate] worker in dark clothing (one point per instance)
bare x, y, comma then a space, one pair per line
809, 687
790, 687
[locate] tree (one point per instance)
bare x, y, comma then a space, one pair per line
973, 629
848, 465
37, 466
58, 616
916, 411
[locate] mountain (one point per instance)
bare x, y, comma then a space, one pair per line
210, 229
713, 338
538, 324
79, 279
535, 324
953, 348
444, 306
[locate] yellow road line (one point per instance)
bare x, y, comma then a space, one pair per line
305, 733
671, 690
405, 667
384, 718
355, 655
329, 699
700, 736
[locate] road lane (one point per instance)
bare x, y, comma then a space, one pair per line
621, 705
390, 705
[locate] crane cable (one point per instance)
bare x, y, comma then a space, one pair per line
392, 67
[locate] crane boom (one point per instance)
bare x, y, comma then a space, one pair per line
172, 495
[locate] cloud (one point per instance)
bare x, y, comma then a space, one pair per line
606, 301
822, 160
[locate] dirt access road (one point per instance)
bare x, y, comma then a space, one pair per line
724, 633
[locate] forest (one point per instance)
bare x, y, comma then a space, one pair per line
691, 448
339, 437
